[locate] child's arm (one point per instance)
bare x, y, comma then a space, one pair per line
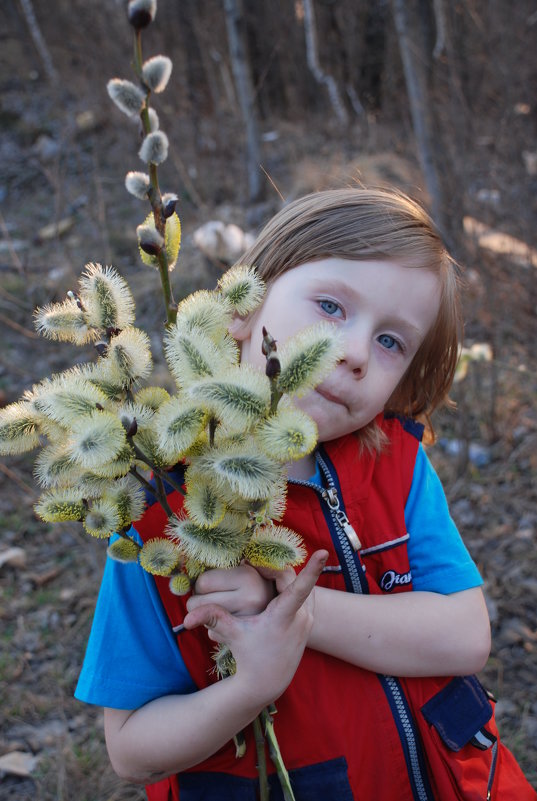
172, 733
407, 634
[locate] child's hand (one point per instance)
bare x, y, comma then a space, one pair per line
241, 590
267, 647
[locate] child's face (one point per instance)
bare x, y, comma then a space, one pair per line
384, 311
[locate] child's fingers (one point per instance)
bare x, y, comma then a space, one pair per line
218, 598
293, 596
216, 580
220, 623
271, 574
282, 578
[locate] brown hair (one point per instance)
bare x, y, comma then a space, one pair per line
379, 224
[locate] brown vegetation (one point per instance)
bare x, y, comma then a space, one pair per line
64, 152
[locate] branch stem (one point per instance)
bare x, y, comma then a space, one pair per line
276, 755
275, 395
264, 789
138, 52
156, 470
149, 487
169, 302
154, 194
162, 496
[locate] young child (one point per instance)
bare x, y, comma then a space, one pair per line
405, 601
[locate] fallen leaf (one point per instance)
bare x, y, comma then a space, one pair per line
18, 763
14, 557
40, 579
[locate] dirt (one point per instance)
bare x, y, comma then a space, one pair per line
48, 592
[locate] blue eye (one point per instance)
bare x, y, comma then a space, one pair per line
388, 342
329, 306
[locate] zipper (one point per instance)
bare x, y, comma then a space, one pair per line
492, 771
411, 746
347, 547
331, 497
343, 534
346, 535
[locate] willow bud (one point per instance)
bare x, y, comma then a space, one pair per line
156, 73
273, 367
128, 97
268, 345
141, 13
137, 183
154, 149
169, 201
149, 239
132, 428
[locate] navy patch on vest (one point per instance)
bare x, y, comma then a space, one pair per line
391, 579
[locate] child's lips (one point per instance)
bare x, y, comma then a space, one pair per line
329, 397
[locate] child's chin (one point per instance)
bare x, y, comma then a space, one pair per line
327, 433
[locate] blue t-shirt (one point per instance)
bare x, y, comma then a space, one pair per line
132, 655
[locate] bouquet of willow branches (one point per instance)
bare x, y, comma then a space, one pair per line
99, 431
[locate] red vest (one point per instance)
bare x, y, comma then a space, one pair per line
346, 733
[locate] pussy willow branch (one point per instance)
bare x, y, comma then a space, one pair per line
138, 52
155, 197
264, 720
213, 423
143, 481
162, 496
264, 790
275, 395
156, 470
276, 755
158, 492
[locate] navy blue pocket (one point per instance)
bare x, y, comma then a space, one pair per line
209, 786
323, 781
459, 711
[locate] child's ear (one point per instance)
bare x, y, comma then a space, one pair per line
240, 328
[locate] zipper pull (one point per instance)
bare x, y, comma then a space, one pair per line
330, 496
349, 530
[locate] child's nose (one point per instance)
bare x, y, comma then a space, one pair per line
357, 356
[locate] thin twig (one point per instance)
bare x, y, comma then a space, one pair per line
22, 304
148, 486
166, 477
13, 253
187, 181
14, 477
156, 470
159, 492
20, 329
272, 184
162, 496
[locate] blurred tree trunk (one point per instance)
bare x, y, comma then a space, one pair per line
38, 40
185, 12
246, 95
415, 27
320, 76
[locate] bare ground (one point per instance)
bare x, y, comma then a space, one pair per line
47, 593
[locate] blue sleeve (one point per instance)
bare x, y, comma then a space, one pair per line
132, 655
439, 560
